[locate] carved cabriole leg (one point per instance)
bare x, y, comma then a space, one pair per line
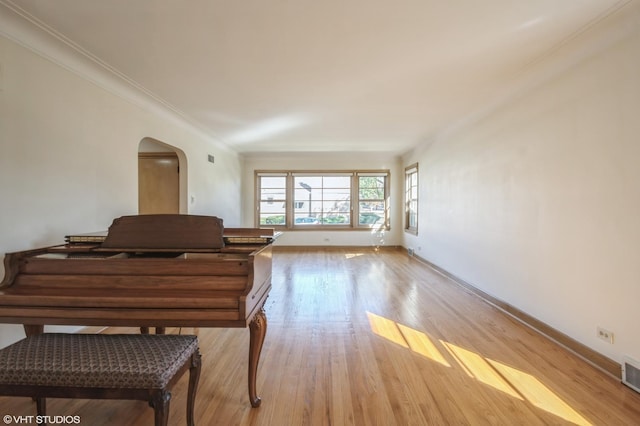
160, 400
258, 330
194, 377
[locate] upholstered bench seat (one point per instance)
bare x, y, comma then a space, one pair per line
113, 366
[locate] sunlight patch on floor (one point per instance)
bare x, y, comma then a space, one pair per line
386, 328
513, 382
538, 394
420, 343
352, 255
476, 366
407, 337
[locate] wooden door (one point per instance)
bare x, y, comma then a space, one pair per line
158, 183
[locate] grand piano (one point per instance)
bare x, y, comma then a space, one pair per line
148, 271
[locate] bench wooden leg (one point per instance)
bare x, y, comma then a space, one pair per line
41, 407
160, 401
194, 377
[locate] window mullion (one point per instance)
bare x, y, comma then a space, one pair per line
290, 200
355, 200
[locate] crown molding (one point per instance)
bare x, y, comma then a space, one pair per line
25, 30
615, 24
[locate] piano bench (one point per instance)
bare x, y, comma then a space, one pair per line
101, 366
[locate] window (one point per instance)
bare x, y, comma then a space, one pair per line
372, 199
272, 199
321, 200
411, 198
325, 199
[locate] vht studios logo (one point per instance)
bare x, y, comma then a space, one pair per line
52, 420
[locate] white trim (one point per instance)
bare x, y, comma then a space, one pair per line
20, 27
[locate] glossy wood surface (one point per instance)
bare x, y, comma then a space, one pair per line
358, 337
187, 289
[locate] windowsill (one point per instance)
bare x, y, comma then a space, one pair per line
325, 228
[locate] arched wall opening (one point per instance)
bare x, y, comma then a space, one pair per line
156, 183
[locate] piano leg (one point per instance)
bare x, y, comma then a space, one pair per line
145, 330
257, 330
33, 329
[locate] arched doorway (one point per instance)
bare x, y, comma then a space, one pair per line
159, 178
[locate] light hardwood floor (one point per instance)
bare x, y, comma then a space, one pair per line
358, 337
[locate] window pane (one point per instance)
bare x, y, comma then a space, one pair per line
372, 182
269, 219
272, 194
304, 219
273, 200
371, 193
336, 194
272, 181
336, 181
413, 217
371, 213
272, 207
322, 200
372, 197
335, 218
411, 199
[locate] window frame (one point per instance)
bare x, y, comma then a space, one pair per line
320, 193
259, 200
411, 197
385, 199
291, 201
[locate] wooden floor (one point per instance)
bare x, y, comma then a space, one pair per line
358, 337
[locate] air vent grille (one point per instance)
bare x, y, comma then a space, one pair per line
631, 373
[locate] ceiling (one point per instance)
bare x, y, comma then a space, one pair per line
329, 75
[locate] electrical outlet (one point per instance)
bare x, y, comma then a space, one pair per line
605, 335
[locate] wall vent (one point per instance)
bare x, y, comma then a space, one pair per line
211, 158
631, 373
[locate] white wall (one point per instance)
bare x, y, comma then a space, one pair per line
538, 203
68, 157
327, 161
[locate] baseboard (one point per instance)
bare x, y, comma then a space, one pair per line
594, 358
320, 247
